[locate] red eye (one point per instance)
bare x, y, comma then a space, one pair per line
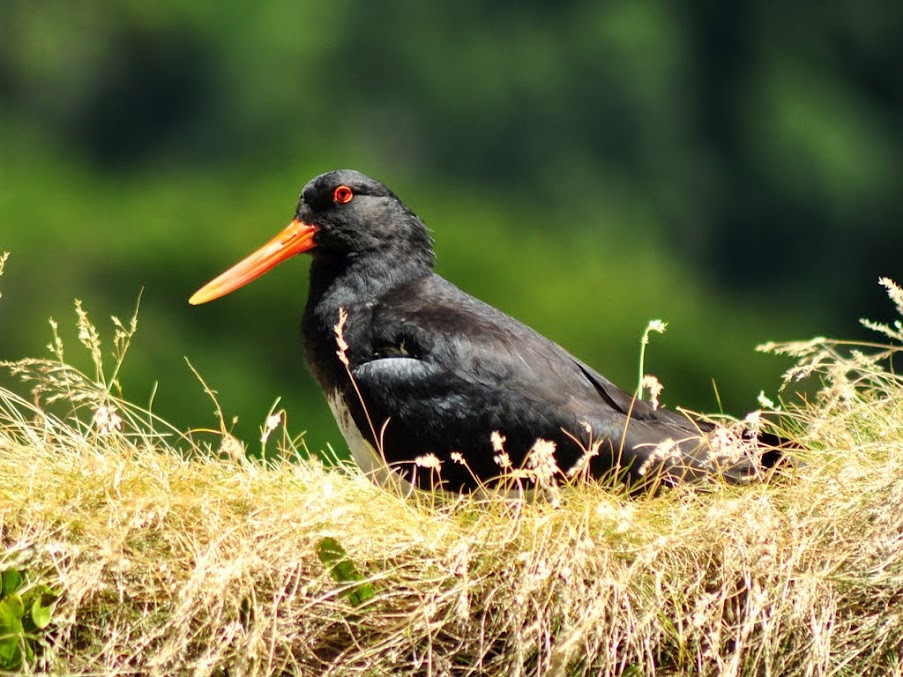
342, 195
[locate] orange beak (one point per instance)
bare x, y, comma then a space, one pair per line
297, 237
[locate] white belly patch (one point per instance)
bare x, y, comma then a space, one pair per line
370, 461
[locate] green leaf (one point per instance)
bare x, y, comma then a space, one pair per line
40, 602
12, 581
340, 565
342, 570
41, 614
360, 593
11, 611
12, 634
10, 653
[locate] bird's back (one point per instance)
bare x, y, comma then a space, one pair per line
440, 372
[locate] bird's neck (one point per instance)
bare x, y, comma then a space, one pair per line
354, 285
350, 281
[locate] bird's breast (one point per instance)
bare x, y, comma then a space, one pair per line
370, 460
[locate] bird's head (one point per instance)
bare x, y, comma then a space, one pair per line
340, 214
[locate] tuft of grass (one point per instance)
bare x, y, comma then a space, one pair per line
172, 552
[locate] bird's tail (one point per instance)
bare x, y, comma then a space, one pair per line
764, 456
720, 454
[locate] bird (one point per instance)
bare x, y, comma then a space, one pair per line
436, 390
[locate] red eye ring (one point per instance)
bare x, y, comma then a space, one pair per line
342, 195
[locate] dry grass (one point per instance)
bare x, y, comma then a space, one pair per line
175, 554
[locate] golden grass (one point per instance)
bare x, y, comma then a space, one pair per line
175, 554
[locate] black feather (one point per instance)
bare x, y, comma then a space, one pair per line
438, 371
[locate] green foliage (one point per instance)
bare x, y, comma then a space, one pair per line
343, 571
26, 610
585, 167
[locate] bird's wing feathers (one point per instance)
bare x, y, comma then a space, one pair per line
437, 351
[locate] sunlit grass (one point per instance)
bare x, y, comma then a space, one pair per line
175, 553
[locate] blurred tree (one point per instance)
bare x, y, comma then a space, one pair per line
735, 166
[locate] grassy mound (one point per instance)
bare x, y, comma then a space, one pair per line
161, 551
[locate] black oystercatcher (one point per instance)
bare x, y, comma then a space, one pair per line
441, 390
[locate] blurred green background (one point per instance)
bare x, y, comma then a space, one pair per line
732, 168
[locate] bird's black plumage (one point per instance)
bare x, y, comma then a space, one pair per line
433, 371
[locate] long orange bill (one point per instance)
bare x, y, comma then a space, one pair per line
297, 237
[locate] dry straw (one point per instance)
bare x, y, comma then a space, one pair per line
175, 554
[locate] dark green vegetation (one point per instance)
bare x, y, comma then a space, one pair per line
26, 609
343, 571
730, 168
